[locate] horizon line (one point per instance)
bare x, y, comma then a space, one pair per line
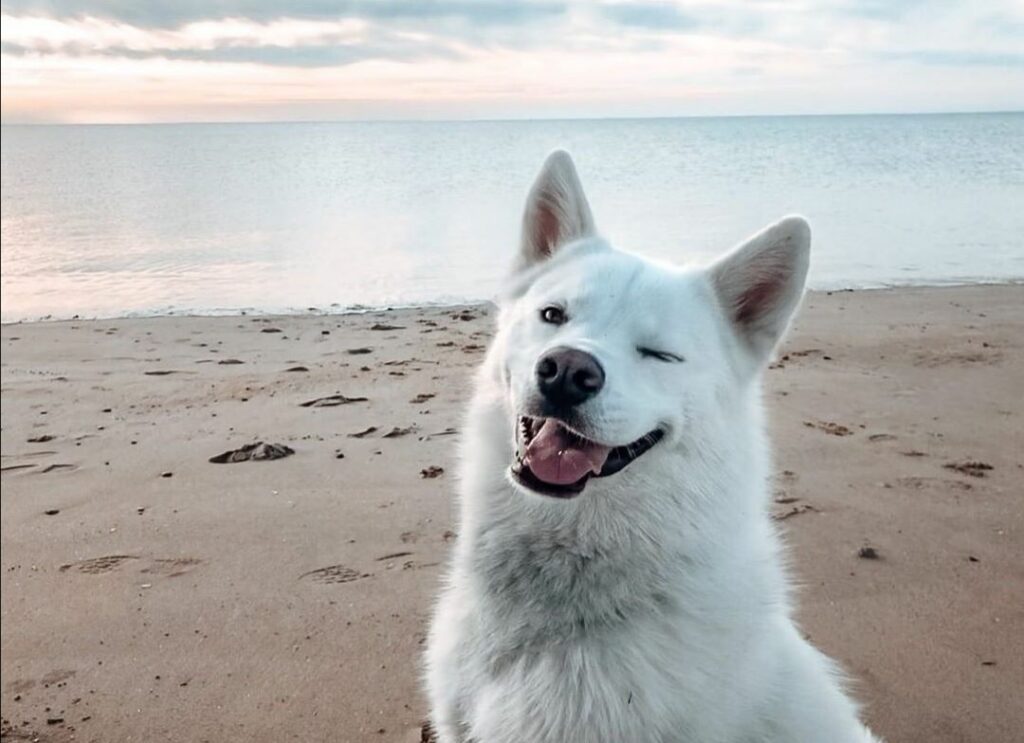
512, 119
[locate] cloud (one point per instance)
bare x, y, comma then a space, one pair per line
959, 58
173, 14
328, 55
46, 35
128, 60
648, 15
281, 42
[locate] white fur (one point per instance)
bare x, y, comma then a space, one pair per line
653, 607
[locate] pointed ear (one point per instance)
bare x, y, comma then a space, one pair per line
760, 283
556, 211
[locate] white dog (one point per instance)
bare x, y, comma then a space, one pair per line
617, 578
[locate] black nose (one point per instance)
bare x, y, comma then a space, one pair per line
567, 376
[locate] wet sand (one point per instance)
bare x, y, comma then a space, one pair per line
150, 594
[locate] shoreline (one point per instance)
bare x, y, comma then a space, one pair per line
341, 311
288, 599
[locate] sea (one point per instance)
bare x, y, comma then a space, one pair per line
122, 220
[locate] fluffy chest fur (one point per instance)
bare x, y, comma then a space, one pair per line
608, 620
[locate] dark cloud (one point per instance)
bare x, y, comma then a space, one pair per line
173, 14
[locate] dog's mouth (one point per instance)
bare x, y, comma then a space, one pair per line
552, 459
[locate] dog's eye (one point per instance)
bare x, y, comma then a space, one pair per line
650, 353
553, 314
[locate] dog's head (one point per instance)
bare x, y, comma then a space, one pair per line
607, 360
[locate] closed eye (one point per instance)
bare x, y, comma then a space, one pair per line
650, 353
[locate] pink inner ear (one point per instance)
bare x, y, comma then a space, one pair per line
753, 303
545, 228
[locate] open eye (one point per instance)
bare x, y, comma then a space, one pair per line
650, 353
552, 314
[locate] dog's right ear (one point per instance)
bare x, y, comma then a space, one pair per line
556, 213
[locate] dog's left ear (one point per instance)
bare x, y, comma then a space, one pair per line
760, 283
557, 211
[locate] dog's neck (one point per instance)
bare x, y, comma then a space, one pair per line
629, 544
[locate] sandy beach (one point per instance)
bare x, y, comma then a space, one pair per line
149, 594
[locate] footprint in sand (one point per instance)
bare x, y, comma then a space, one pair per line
364, 433
793, 511
833, 429
334, 574
933, 483
330, 401
446, 432
15, 467
799, 355
413, 565
409, 362
397, 432
259, 451
98, 565
422, 398
392, 556
172, 567
385, 326
56, 676
57, 467
20, 686
972, 468
935, 360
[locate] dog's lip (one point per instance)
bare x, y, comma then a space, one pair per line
619, 457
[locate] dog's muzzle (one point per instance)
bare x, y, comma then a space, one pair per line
552, 459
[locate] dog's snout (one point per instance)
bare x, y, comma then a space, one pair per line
568, 376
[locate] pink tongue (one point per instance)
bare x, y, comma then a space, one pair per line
559, 458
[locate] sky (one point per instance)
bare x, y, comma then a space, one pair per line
134, 61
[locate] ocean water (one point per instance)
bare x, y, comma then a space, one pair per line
116, 220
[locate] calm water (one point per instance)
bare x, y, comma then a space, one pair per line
111, 220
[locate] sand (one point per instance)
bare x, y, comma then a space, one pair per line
149, 594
